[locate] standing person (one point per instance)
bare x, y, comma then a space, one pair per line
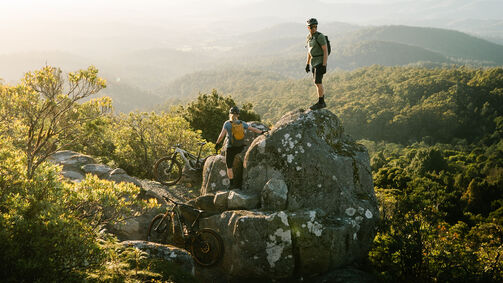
317, 56
234, 129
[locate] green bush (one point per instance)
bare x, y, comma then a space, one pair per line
49, 229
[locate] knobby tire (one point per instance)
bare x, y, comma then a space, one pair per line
167, 171
158, 231
207, 247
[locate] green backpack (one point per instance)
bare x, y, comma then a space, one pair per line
329, 48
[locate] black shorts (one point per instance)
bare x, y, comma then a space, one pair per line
318, 76
230, 153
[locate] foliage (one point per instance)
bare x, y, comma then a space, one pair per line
46, 112
140, 138
49, 228
441, 212
130, 264
394, 104
209, 112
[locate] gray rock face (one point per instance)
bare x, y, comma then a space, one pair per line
220, 200
72, 163
205, 202
317, 182
256, 244
214, 175
119, 177
99, 170
237, 199
274, 195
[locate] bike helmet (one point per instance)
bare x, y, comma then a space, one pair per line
312, 21
234, 110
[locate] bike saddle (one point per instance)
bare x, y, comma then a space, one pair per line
201, 143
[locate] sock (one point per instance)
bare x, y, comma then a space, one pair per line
321, 99
232, 182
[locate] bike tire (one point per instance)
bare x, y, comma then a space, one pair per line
160, 229
206, 247
167, 171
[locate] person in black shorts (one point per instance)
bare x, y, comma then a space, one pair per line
317, 56
234, 145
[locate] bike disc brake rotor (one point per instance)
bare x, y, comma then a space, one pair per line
204, 247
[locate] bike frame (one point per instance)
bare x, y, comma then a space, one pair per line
187, 156
181, 224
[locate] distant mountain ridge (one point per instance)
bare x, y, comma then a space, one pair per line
447, 42
144, 78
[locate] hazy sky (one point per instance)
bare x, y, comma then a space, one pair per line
159, 10
18, 10
47, 24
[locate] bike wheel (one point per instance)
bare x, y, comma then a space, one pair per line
167, 171
206, 247
159, 229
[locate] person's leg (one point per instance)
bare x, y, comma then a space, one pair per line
319, 88
318, 77
230, 154
230, 173
229, 159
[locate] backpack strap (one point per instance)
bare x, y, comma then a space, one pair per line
316, 38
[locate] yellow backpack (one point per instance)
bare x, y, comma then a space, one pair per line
238, 131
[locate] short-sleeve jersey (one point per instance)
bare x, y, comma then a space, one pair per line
314, 44
228, 128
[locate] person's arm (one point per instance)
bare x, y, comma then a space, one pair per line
258, 131
309, 58
222, 135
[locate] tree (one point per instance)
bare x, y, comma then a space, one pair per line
209, 111
140, 138
44, 110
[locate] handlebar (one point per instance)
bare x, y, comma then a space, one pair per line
170, 200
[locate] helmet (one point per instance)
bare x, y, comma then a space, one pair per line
312, 21
234, 110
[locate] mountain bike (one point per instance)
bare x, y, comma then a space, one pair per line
168, 169
172, 227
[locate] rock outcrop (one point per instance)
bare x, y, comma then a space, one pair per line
77, 165
215, 171
306, 206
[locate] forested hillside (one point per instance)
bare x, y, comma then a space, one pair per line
395, 104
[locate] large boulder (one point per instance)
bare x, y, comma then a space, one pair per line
256, 244
214, 175
317, 209
215, 171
